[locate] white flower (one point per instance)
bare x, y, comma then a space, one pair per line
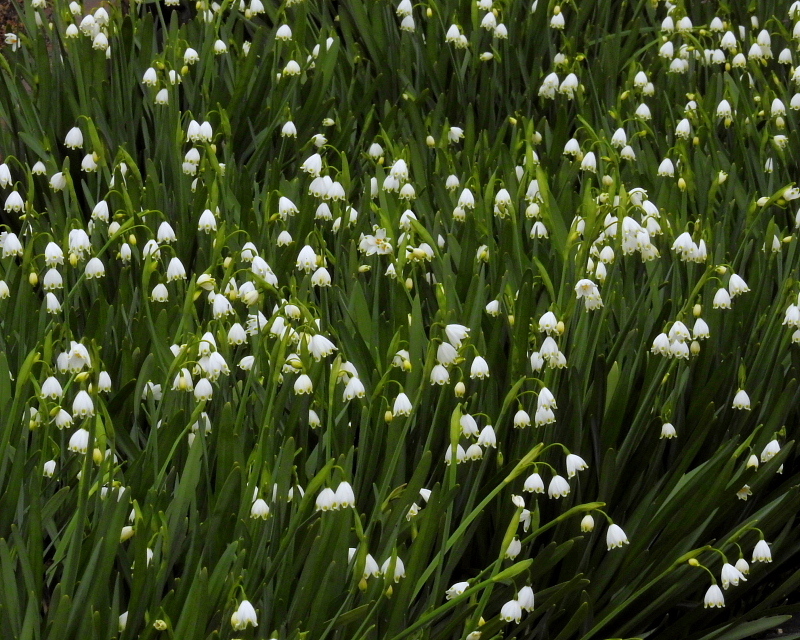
203, 390
772, 448
521, 419
615, 537
525, 598
79, 441
83, 406
399, 568
714, 597
49, 468
742, 566
260, 509
344, 496
353, 389
741, 400
487, 438
244, 616
306, 259
587, 523
479, 368
761, 552
74, 139
511, 611
402, 405
737, 285
159, 293
722, 299
534, 484
326, 500
455, 334
668, 431
207, 222
456, 590
574, 464
558, 488
730, 575
303, 385
514, 547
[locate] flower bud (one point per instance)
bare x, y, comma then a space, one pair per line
460, 389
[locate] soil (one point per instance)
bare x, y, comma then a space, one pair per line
8, 20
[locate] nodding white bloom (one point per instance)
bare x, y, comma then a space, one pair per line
162, 97
666, 168
742, 566
453, 34
159, 293
558, 487
5, 176
312, 165
399, 568
292, 68
737, 285
456, 590
514, 547
175, 270
402, 405
521, 419
14, 202
668, 431
459, 454
667, 50
74, 139
466, 200
207, 222
714, 597
344, 496
303, 385
306, 259
722, 299
79, 441
574, 464
203, 390
761, 552
244, 616
94, 269
49, 468
11, 245
730, 575
53, 255
587, 523
5, 292
456, 333
539, 230
469, 427
493, 308
589, 162
479, 368
326, 500
770, 450
683, 129
321, 278
643, 112
260, 509
741, 400
183, 381
82, 406
62, 419
569, 85
534, 484
700, 329
615, 537
571, 148
619, 139
51, 388
511, 611
585, 288
525, 598
488, 438
353, 389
